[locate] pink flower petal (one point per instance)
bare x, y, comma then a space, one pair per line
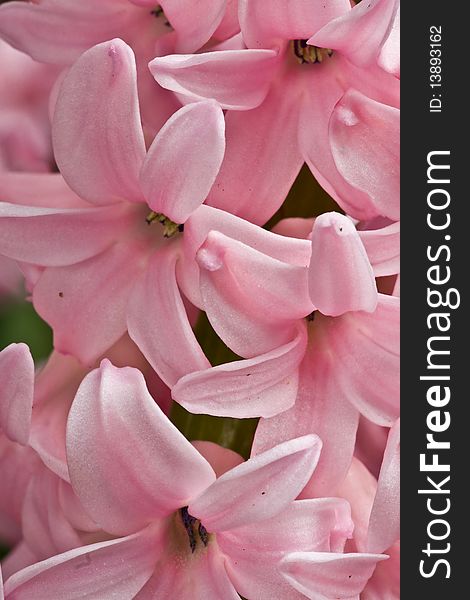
164, 336
366, 347
249, 323
24, 144
201, 576
341, 278
358, 488
18, 558
17, 465
326, 575
151, 472
296, 227
115, 569
261, 386
86, 303
98, 139
193, 30
146, 3
58, 32
253, 552
46, 529
389, 57
220, 459
364, 136
55, 388
383, 248
396, 288
11, 278
259, 488
59, 236
370, 445
206, 218
156, 104
267, 24
360, 33
231, 42
237, 79
322, 94
74, 511
262, 158
321, 407
38, 189
183, 160
384, 524
16, 392
284, 291
229, 26
385, 581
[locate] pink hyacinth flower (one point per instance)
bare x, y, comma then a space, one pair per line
375, 512
34, 408
318, 366
37, 510
102, 267
93, 251
52, 522
180, 530
59, 31
384, 524
337, 110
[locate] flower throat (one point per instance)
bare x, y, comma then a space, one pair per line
309, 54
194, 528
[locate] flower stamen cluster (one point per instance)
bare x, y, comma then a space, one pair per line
170, 228
194, 528
309, 54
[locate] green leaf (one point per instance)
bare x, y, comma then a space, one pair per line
19, 322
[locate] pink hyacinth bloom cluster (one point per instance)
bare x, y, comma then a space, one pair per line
144, 148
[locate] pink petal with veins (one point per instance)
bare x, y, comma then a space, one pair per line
125, 486
365, 143
97, 135
236, 79
325, 575
259, 488
163, 333
261, 386
183, 160
16, 392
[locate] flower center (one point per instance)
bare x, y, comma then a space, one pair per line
195, 530
309, 54
159, 14
170, 228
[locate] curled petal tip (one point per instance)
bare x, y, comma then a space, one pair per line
347, 116
341, 278
210, 255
